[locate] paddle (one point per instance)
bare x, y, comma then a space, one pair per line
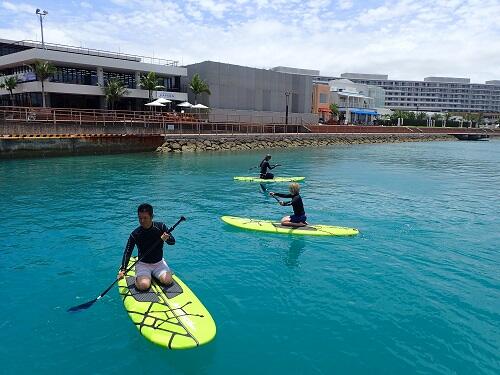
264, 190
86, 305
274, 166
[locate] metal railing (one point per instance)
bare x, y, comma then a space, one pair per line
36, 120
96, 52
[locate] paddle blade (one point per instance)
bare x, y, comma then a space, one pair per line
263, 188
83, 306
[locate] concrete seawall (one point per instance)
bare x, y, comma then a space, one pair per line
42, 146
263, 141
23, 147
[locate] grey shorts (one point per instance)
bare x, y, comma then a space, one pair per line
151, 269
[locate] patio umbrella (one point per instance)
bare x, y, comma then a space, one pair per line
185, 104
155, 104
199, 106
163, 101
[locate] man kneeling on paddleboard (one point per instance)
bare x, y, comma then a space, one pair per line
149, 237
298, 219
264, 166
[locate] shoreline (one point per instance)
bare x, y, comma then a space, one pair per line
67, 145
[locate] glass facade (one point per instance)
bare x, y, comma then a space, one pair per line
15, 70
73, 101
171, 83
26, 99
75, 76
127, 78
7, 49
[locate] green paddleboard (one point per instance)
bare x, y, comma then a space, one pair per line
276, 227
172, 317
276, 179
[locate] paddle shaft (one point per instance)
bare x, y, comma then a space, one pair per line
264, 190
274, 166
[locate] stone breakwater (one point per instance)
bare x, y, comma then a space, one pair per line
189, 143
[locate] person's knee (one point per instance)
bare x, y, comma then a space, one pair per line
142, 284
167, 278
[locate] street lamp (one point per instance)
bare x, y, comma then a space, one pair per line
42, 13
287, 95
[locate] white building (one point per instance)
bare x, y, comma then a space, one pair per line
356, 102
80, 73
434, 94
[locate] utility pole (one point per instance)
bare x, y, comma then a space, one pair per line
41, 14
287, 95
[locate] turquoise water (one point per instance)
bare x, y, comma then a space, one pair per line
418, 291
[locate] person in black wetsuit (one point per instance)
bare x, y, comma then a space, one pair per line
264, 166
298, 219
148, 236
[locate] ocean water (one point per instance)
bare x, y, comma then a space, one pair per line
417, 292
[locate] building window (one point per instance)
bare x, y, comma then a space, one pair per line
75, 76
8, 48
127, 79
323, 98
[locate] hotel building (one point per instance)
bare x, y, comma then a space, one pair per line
434, 94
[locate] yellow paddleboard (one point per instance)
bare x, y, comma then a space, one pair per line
172, 317
274, 227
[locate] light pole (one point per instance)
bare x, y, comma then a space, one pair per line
287, 95
42, 13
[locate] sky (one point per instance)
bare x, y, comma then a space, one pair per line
404, 39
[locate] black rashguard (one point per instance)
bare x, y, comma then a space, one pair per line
146, 239
264, 166
296, 203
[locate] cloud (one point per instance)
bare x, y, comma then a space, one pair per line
345, 4
402, 38
19, 7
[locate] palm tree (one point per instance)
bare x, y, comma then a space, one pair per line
421, 116
478, 117
10, 84
113, 90
437, 117
334, 109
43, 70
410, 116
198, 86
150, 82
398, 114
446, 118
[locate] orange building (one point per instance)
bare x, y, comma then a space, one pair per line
321, 100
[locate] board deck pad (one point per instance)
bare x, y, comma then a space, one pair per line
307, 227
141, 296
170, 316
275, 227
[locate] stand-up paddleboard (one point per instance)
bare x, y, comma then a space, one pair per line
273, 227
172, 316
275, 179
